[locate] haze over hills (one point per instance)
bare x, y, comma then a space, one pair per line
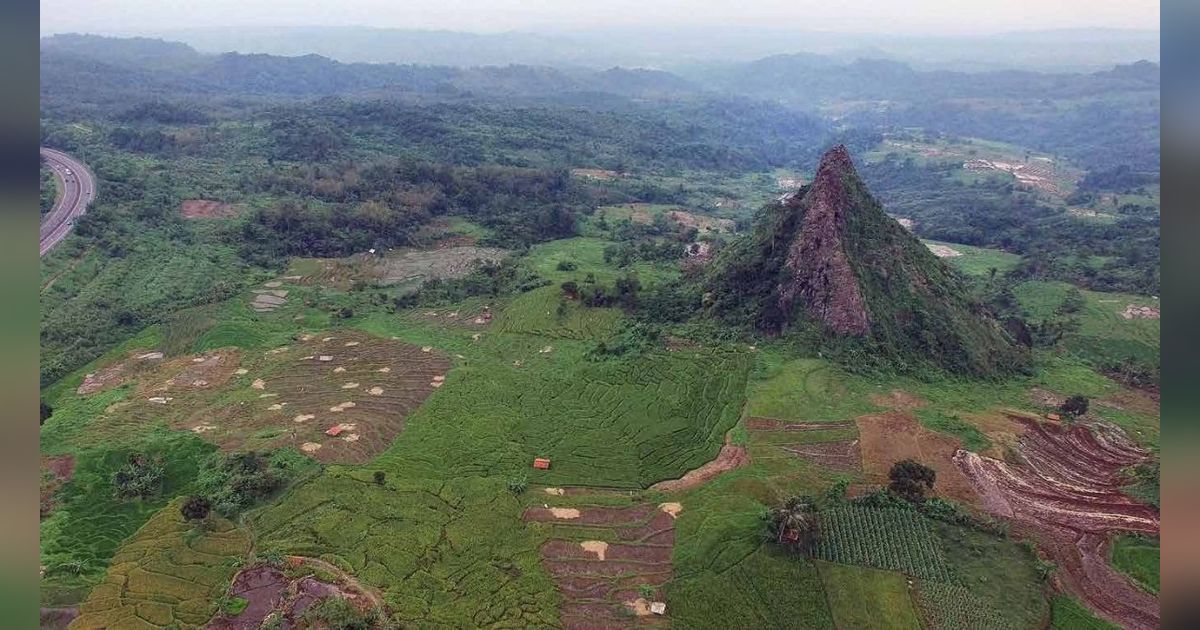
534, 331
1102, 118
1052, 50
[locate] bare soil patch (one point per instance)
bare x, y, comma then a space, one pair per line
841, 456
601, 559
943, 251
206, 209
1036, 174
1045, 398
771, 424
1066, 495
595, 173
890, 437
730, 457
209, 370
268, 589
120, 372
57, 618
898, 400
1133, 311
56, 471
401, 266
701, 222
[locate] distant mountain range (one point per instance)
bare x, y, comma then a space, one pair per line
804, 79
1078, 50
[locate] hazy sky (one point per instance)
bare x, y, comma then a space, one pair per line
883, 16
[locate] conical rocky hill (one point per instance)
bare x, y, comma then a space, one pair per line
829, 257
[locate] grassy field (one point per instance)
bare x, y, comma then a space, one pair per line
537, 313
620, 423
1104, 334
764, 589
979, 261
1138, 557
868, 598
999, 576
805, 390
80, 538
171, 573
587, 253
1069, 614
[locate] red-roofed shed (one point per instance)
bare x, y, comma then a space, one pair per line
541, 462
334, 430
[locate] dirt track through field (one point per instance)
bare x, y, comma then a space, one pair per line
1067, 497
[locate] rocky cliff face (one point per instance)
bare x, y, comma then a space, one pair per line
829, 256
819, 273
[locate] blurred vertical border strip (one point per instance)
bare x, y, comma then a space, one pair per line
18, 316
1181, 355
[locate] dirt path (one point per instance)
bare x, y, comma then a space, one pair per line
350, 580
731, 456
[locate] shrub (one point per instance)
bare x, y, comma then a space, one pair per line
517, 485
237, 481
911, 479
141, 478
379, 477
566, 265
336, 613
1075, 406
195, 508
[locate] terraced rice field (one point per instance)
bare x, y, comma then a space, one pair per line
612, 424
167, 574
609, 563
89, 523
449, 553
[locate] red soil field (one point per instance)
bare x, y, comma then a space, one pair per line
1067, 497
206, 209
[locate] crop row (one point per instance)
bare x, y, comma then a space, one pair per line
885, 538
953, 607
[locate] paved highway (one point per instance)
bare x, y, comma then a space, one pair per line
78, 189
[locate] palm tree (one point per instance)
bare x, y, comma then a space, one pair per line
794, 524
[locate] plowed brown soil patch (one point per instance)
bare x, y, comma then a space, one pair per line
595, 173
841, 456
206, 371
1066, 495
56, 471
206, 209
601, 559
770, 424
730, 457
887, 438
119, 372
898, 400
347, 391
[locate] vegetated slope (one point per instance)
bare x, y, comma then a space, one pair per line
829, 255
